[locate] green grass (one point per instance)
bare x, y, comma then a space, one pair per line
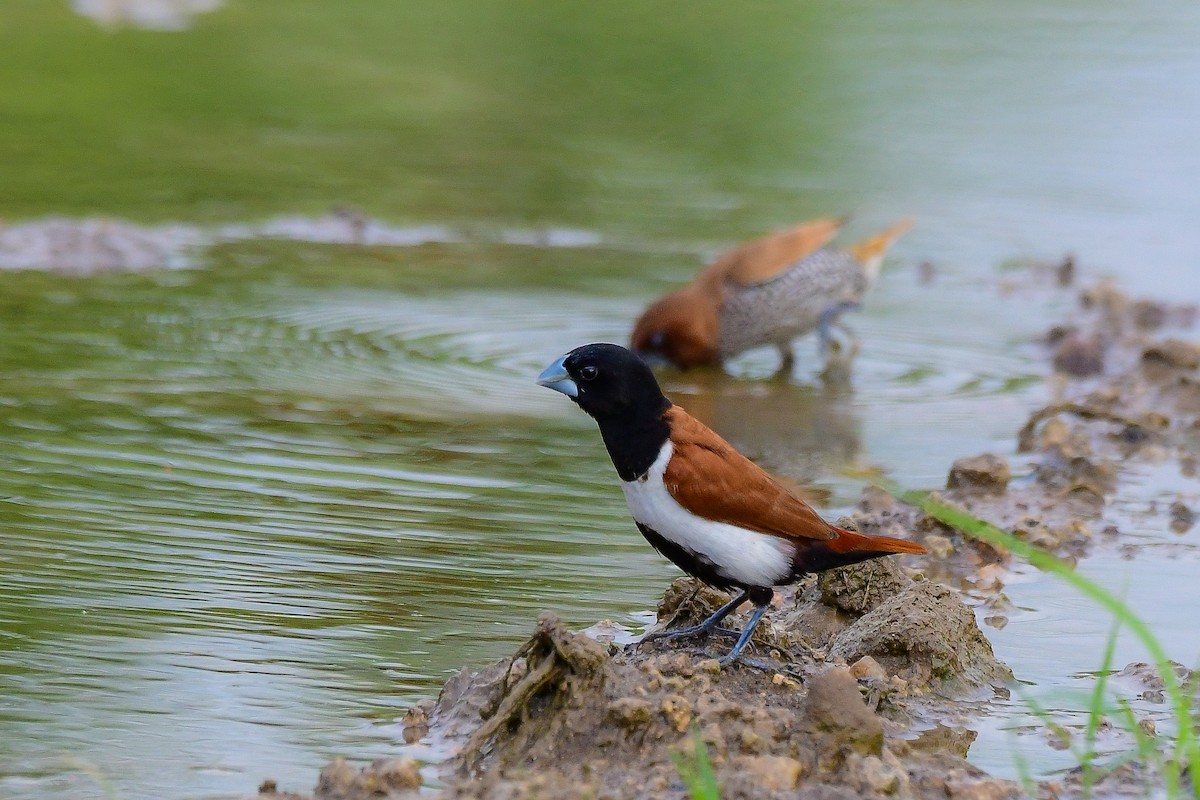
697, 771
1184, 750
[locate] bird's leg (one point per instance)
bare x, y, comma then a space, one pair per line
829, 317
708, 624
788, 359
730, 657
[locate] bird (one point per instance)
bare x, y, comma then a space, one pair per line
709, 509
768, 291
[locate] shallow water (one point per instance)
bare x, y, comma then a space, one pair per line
253, 509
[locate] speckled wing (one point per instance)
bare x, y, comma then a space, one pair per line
791, 304
765, 257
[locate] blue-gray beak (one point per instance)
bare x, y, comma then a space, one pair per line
555, 377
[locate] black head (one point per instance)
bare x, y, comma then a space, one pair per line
607, 381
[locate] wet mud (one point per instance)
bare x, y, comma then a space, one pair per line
863, 680
569, 716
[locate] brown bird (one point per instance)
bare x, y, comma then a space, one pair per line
765, 292
713, 512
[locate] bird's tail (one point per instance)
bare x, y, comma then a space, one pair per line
870, 252
848, 547
852, 542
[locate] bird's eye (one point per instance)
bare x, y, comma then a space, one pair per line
588, 373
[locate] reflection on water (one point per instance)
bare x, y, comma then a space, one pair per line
801, 431
255, 509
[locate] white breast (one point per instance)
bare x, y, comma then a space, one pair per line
746, 557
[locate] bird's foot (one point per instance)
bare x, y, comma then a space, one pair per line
675, 634
710, 624
729, 658
831, 318
770, 667
693, 630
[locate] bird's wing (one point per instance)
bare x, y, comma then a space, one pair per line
711, 479
763, 258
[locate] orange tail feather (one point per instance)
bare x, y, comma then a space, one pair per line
869, 252
851, 542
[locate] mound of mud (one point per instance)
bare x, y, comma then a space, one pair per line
568, 716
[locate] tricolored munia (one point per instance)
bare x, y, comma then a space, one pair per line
717, 515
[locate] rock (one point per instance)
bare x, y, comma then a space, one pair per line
861, 587
269, 790
678, 712
387, 777
687, 601
990, 577
986, 474
875, 500
943, 739
335, 779
835, 709
1148, 315
1064, 273
1079, 356
768, 773
867, 668
1182, 517
984, 788
1146, 676
779, 679
1172, 353
927, 636
873, 775
1057, 737
416, 721
630, 712
938, 546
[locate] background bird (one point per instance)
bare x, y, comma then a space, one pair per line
765, 292
717, 515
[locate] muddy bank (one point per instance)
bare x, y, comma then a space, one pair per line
864, 680
94, 245
1125, 388
569, 716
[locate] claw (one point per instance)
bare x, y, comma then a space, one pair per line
704, 627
